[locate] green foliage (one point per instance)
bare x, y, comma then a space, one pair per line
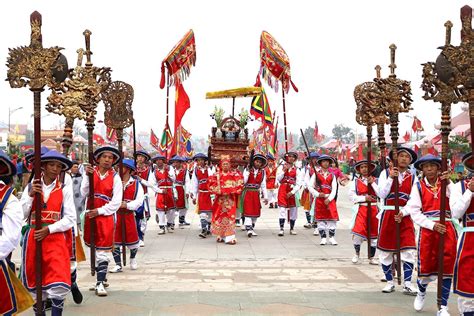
343, 133
218, 115
309, 136
244, 117
458, 144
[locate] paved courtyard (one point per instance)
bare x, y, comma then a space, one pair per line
182, 274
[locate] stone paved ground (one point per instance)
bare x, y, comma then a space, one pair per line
181, 274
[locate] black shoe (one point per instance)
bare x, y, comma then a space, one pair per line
76, 293
203, 233
186, 223
208, 232
271, 205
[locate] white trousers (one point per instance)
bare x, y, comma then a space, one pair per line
162, 221
170, 216
358, 240
272, 195
182, 212
327, 225
465, 304
284, 212
250, 220
386, 258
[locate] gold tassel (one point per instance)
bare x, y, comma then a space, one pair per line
80, 254
24, 299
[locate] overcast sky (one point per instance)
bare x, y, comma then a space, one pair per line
332, 45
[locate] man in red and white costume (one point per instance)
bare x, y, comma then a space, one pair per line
387, 240
272, 185
200, 194
132, 200
359, 195
323, 186
424, 208
308, 199
290, 180
161, 181
108, 192
181, 187
462, 207
11, 220
58, 216
143, 213
254, 183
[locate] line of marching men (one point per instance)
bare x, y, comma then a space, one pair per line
280, 185
420, 203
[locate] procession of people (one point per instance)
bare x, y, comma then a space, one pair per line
416, 223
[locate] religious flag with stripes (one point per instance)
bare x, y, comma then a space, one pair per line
166, 139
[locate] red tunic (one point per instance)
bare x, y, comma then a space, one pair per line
387, 240
325, 212
144, 174
271, 178
131, 233
165, 200
360, 226
428, 240
463, 283
250, 199
179, 184
204, 197
226, 187
55, 258
286, 185
104, 232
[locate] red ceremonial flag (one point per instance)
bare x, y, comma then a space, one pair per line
182, 104
316, 131
111, 135
416, 126
154, 141
416, 149
99, 140
360, 152
407, 136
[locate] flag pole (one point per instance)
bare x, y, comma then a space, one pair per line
284, 119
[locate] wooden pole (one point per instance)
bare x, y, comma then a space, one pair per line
38, 200
394, 136
119, 132
445, 130
284, 119
134, 144
90, 197
369, 188
382, 144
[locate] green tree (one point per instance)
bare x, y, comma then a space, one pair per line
309, 136
457, 144
343, 133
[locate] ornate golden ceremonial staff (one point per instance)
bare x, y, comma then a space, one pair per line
66, 99
36, 67
444, 82
396, 98
381, 129
92, 81
368, 113
118, 115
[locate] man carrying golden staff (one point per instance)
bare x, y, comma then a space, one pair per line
226, 184
58, 216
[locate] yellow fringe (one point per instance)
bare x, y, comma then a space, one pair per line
233, 93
